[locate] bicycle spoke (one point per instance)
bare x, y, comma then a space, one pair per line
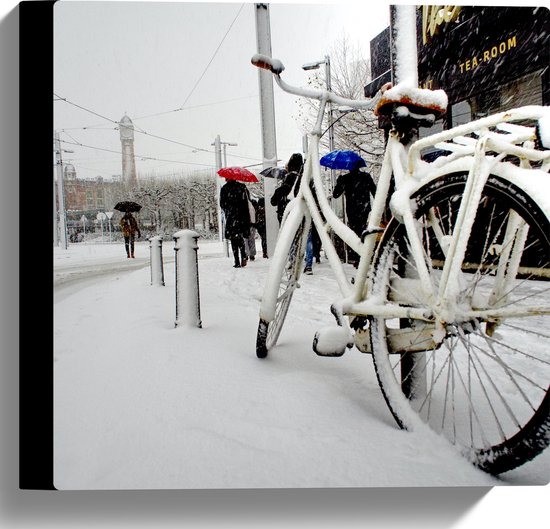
477, 387
498, 358
483, 388
506, 323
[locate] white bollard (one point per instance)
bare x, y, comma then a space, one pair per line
157, 267
187, 279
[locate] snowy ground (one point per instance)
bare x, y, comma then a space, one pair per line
140, 404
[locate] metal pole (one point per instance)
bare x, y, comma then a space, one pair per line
155, 258
187, 279
61, 194
403, 43
225, 144
217, 149
55, 226
267, 115
337, 203
221, 222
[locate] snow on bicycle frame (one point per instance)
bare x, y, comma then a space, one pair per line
465, 254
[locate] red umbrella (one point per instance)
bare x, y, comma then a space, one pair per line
237, 173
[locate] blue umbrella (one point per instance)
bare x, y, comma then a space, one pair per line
342, 160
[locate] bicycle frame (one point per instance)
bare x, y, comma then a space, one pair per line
404, 164
464, 254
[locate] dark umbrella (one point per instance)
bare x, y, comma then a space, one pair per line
127, 205
342, 160
274, 172
237, 173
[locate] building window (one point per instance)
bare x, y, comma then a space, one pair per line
100, 197
524, 91
90, 199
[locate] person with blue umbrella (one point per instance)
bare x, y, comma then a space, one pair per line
357, 187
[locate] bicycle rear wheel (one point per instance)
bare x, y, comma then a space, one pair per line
486, 385
269, 331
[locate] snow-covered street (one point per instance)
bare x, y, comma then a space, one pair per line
141, 404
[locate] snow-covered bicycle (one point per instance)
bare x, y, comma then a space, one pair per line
451, 296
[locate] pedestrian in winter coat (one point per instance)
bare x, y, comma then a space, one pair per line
250, 241
280, 199
234, 202
129, 227
260, 224
280, 196
356, 186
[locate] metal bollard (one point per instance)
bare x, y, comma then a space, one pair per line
157, 267
187, 279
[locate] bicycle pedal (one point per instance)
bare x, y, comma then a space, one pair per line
332, 341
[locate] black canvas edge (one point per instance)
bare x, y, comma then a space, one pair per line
36, 254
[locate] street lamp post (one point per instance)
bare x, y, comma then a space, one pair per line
61, 192
225, 144
328, 83
101, 217
336, 203
218, 152
109, 216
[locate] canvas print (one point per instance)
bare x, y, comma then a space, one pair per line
300, 245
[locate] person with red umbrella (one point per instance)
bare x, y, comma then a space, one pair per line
234, 203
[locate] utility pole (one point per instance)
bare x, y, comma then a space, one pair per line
217, 147
225, 144
218, 155
55, 234
267, 114
61, 193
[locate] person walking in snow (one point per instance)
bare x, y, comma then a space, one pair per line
250, 241
291, 180
356, 186
129, 227
260, 224
234, 203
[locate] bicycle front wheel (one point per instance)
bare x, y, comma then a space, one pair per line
269, 331
484, 385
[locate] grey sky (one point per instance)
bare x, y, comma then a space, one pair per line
146, 58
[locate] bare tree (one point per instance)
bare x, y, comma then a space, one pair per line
357, 130
151, 193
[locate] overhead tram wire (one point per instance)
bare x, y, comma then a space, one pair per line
194, 106
135, 130
213, 56
141, 131
137, 155
134, 119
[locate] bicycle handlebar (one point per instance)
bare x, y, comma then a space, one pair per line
275, 66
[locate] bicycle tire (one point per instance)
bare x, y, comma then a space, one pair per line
486, 391
269, 331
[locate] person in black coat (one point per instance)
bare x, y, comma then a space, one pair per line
356, 186
234, 202
280, 196
280, 199
260, 224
